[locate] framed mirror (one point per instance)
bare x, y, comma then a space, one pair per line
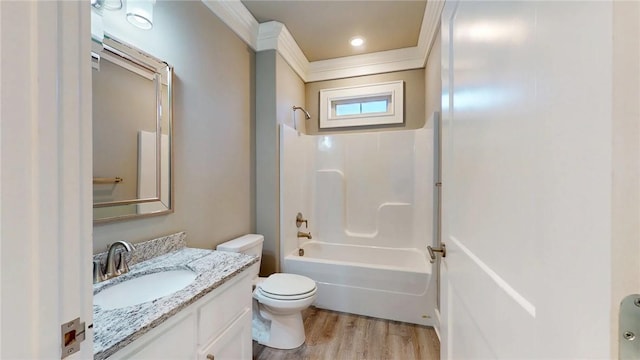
132, 125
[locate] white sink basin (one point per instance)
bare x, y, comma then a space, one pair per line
143, 288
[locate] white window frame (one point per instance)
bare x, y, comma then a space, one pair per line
393, 90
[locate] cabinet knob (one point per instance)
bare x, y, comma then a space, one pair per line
211, 357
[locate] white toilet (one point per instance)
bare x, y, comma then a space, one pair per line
278, 299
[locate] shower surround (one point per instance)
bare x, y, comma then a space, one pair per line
368, 198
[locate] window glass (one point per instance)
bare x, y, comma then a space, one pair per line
347, 109
379, 106
362, 107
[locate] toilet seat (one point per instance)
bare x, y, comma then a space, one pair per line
287, 297
287, 287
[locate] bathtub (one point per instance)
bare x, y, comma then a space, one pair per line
387, 283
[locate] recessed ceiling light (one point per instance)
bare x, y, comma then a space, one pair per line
356, 41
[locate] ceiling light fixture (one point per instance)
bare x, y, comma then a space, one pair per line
107, 4
140, 13
356, 41
112, 4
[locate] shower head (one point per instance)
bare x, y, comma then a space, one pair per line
306, 113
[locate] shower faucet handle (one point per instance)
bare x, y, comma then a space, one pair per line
300, 220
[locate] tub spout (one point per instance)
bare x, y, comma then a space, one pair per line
302, 234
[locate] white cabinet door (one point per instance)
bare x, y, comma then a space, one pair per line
233, 344
526, 151
175, 342
45, 176
217, 312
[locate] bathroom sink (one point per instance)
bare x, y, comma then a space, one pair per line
143, 288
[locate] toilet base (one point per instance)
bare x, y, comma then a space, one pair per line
284, 331
259, 325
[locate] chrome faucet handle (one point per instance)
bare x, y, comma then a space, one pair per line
98, 274
300, 219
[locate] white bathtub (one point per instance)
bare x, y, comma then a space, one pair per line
386, 283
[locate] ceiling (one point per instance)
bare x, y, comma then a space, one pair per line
322, 29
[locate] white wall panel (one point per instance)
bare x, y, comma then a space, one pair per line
374, 188
363, 184
395, 158
328, 202
423, 185
370, 189
296, 178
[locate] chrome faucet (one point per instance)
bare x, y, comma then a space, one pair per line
111, 270
98, 274
302, 234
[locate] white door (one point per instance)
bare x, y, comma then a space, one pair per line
45, 176
526, 172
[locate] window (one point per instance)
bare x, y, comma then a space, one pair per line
362, 106
373, 104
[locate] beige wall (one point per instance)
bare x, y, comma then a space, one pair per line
290, 92
625, 240
213, 132
433, 79
413, 99
267, 194
278, 89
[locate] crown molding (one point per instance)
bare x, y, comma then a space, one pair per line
275, 36
430, 27
236, 16
365, 64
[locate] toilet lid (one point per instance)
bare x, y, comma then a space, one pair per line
287, 297
287, 285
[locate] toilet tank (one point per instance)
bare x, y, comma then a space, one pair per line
250, 244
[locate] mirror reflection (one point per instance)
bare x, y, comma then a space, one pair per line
131, 132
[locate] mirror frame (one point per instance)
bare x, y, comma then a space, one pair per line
120, 52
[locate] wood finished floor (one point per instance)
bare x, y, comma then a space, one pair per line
334, 335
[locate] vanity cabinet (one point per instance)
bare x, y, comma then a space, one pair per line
217, 326
233, 343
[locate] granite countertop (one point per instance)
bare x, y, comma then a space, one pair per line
116, 328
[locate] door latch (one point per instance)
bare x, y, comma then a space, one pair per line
73, 333
629, 328
442, 249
